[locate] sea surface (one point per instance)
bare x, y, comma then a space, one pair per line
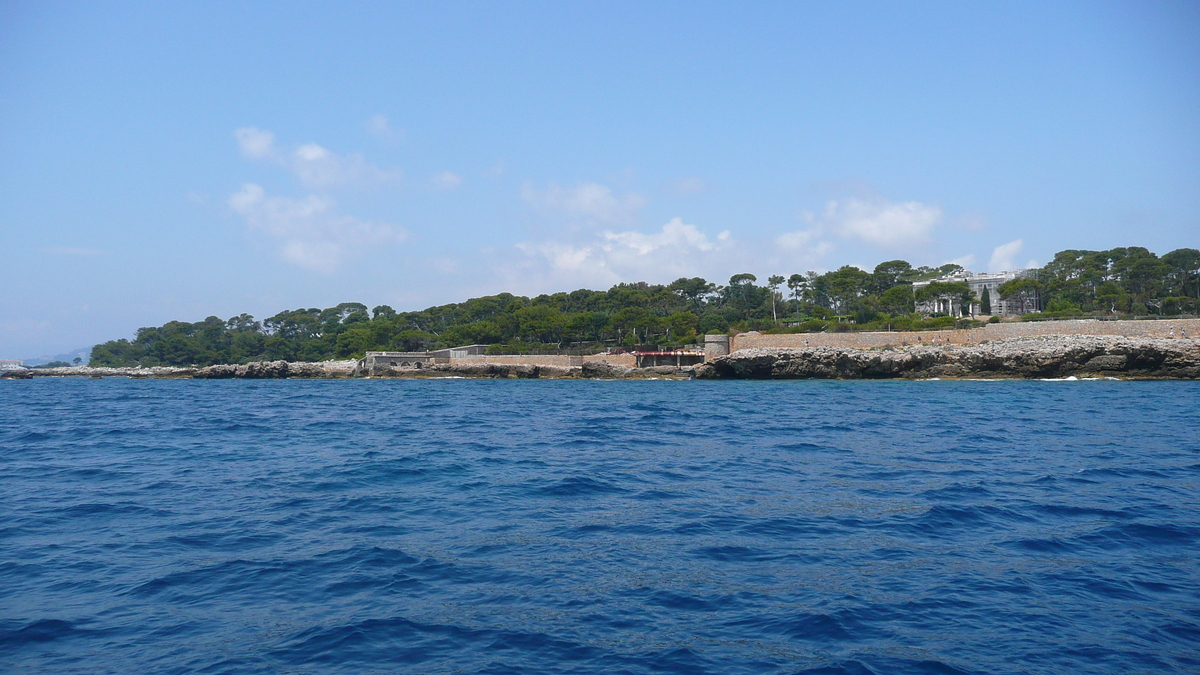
479, 526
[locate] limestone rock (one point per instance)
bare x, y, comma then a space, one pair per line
1042, 357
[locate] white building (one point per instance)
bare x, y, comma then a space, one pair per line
950, 305
11, 364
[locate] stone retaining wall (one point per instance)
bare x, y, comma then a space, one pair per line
559, 360
991, 331
624, 360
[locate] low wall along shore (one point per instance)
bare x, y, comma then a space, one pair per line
992, 331
559, 360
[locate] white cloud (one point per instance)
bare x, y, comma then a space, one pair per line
678, 249
319, 168
1004, 256
589, 201
882, 223
309, 231
800, 240
804, 248
966, 262
255, 143
379, 127
496, 171
314, 166
446, 180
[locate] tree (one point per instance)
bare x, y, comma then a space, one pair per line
985, 303
952, 291
1183, 273
797, 283
741, 287
77, 360
845, 286
773, 283
1026, 292
897, 300
693, 290
889, 274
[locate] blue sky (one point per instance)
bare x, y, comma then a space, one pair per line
174, 161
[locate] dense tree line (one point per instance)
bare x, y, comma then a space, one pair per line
1129, 280
1122, 280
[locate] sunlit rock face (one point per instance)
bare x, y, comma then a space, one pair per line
1051, 357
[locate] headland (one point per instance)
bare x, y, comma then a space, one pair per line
1167, 349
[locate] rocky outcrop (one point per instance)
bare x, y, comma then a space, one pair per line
273, 370
479, 370
1048, 357
607, 371
88, 371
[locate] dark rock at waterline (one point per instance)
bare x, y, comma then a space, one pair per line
1046, 357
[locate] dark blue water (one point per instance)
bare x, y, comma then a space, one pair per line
462, 526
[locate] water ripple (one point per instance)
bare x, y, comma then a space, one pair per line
449, 526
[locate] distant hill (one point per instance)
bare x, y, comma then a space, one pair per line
84, 353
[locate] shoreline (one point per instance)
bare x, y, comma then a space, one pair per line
1033, 358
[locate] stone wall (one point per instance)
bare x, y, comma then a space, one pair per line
560, 360
626, 360
991, 331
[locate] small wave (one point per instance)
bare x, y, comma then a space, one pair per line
942, 520
1142, 534
691, 603
843, 668
579, 486
956, 492
733, 553
1066, 510
1056, 546
38, 632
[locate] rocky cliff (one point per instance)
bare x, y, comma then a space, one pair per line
1048, 357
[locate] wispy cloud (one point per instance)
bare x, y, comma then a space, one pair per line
590, 202
677, 249
379, 127
805, 248
255, 143
882, 223
316, 167
1004, 256
309, 231
966, 261
496, 170
446, 180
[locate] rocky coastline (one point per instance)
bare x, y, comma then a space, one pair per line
1021, 358
1028, 358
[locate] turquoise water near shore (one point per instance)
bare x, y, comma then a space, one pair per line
447, 526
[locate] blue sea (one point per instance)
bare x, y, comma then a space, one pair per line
525, 526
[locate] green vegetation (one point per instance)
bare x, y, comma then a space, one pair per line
1129, 280
1119, 281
